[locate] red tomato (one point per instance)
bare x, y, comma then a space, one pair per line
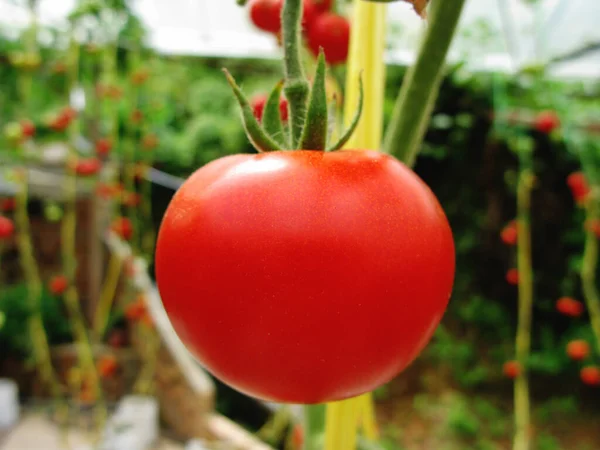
7, 227
123, 228
58, 285
579, 186
512, 369
591, 375
332, 33
136, 310
88, 167
283, 109
103, 146
107, 366
323, 5
546, 122
509, 233
578, 350
512, 277
259, 101
309, 14
341, 264
131, 199
8, 204
266, 14
569, 307
27, 128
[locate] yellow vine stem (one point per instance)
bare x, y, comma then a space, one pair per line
523, 339
68, 247
151, 346
589, 266
39, 340
107, 296
367, 45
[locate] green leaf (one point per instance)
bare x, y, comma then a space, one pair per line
257, 135
348, 134
272, 116
314, 135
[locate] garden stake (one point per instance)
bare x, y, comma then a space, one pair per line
420, 87
68, 240
523, 339
368, 31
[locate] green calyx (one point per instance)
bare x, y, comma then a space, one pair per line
308, 123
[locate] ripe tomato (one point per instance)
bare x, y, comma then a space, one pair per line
7, 227
107, 366
259, 101
88, 167
332, 33
546, 122
590, 375
266, 14
511, 369
512, 277
323, 5
578, 350
103, 146
579, 186
58, 285
510, 233
123, 228
27, 128
569, 307
305, 276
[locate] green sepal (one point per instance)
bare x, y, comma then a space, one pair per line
348, 133
271, 119
254, 130
314, 134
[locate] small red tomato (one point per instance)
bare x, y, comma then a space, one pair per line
323, 5
511, 369
8, 204
266, 14
331, 32
136, 310
150, 141
107, 366
509, 233
27, 128
68, 113
7, 227
123, 228
88, 167
310, 13
283, 109
60, 123
103, 147
258, 103
58, 285
578, 350
512, 277
299, 247
591, 375
546, 122
569, 307
106, 191
579, 186
137, 116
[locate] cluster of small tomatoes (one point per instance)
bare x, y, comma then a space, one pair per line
577, 350
322, 27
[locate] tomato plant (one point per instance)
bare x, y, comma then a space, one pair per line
266, 14
264, 263
7, 227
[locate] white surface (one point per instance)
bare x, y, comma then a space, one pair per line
9, 404
514, 33
134, 425
195, 444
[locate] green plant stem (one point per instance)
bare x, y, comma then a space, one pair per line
523, 338
420, 88
68, 247
314, 427
589, 267
296, 85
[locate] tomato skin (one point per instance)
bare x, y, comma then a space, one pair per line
568, 306
305, 276
266, 15
332, 33
7, 228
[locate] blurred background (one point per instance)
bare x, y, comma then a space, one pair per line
107, 106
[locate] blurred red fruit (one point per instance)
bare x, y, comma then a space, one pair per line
546, 122
136, 310
103, 146
509, 233
122, 227
7, 228
87, 167
8, 204
590, 375
569, 307
578, 350
332, 33
58, 285
131, 199
579, 186
266, 15
107, 366
511, 369
27, 128
512, 277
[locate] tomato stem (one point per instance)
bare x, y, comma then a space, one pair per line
296, 85
420, 88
